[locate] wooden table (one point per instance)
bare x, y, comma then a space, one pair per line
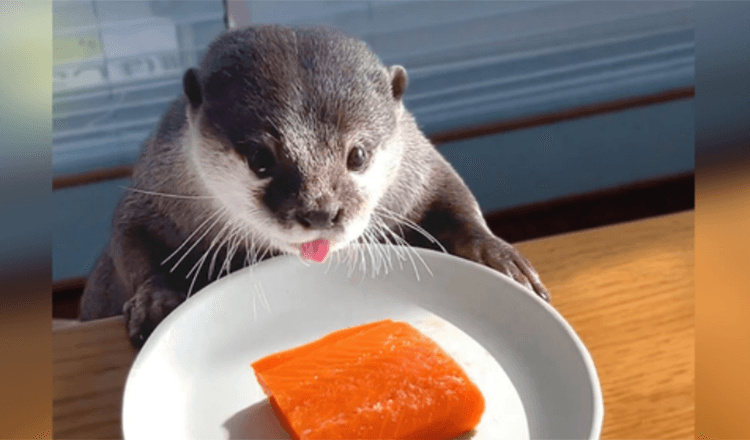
626, 289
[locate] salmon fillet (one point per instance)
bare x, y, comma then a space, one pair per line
379, 380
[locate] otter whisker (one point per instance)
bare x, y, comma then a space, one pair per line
392, 246
396, 246
259, 296
264, 298
363, 261
175, 196
196, 264
384, 248
378, 252
355, 255
242, 245
265, 251
247, 261
257, 257
220, 238
398, 218
350, 252
408, 254
382, 251
256, 243
199, 263
235, 247
187, 240
401, 220
197, 268
251, 249
409, 251
360, 264
187, 252
330, 260
251, 252
232, 244
356, 251
231, 250
368, 245
203, 257
379, 227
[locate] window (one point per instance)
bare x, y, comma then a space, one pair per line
117, 66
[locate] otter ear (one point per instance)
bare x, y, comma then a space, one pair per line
399, 79
192, 87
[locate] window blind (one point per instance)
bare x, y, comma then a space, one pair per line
117, 66
472, 62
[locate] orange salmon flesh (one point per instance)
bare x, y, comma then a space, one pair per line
379, 380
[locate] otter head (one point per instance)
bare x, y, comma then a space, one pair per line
294, 132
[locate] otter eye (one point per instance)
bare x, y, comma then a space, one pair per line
261, 161
357, 158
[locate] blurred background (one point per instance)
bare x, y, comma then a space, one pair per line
559, 115
722, 220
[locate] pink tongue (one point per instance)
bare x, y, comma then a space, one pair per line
315, 250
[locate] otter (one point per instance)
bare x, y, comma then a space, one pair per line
283, 137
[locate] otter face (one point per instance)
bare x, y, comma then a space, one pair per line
295, 134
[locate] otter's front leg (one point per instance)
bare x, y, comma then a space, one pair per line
496, 253
150, 304
454, 219
149, 298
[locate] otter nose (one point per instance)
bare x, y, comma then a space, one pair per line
319, 218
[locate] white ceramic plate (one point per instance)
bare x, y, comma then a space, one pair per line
193, 380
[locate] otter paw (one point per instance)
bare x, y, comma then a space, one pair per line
505, 258
146, 309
